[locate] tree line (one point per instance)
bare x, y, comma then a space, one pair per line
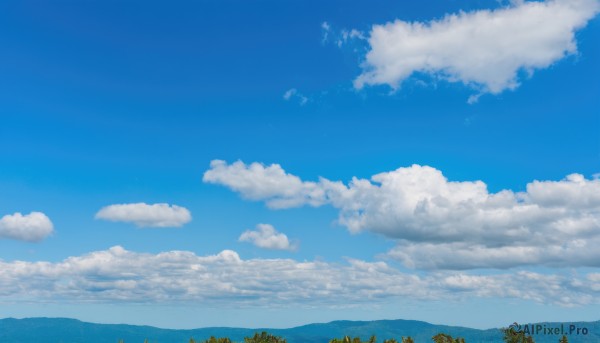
509, 336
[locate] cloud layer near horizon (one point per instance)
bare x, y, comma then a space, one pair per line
485, 49
32, 227
442, 224
145, 215
119, 275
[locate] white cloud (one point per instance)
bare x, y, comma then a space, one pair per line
267, 237
32, 227
145, 215
349, 35
440, 223
340, 37
289, 93
118, 275
325, 27
271, 183
469, 255
485, 49
293, 93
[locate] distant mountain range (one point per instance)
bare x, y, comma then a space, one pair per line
63, 330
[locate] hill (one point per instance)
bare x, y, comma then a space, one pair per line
63, 330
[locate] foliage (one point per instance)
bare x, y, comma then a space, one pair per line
444, 338
263, 337
563, 339
512, 336
347, 339
373, 339
212, 339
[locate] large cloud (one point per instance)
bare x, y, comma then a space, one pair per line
117, 275
485, 49
440, 223
32, 227
145, 215
267, 237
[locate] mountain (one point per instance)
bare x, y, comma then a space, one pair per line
63, 330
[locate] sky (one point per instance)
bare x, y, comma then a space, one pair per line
277, 163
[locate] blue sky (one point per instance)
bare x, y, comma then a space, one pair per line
113, 114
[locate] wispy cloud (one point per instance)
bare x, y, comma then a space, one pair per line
484, 49
145, 215
294, 94
341, 37
267, 237
326, 28
117, 275
442, 224
32, 227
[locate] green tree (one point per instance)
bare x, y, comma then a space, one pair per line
212, 339
348, 339
392, 340
512, 336
263, 337
407, 340
563, 339
444, 338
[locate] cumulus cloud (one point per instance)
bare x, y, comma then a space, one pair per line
145, 215
485, 49
440, 223
294, 94
118, 275
259, 182
32, 227
267, 237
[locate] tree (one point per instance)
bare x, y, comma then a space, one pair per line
392, 340
512, 336
264, 337
348, 339
407, 340
444, 338
563, 339
212, 339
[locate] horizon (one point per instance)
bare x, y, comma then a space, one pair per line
293, 327
276, 163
